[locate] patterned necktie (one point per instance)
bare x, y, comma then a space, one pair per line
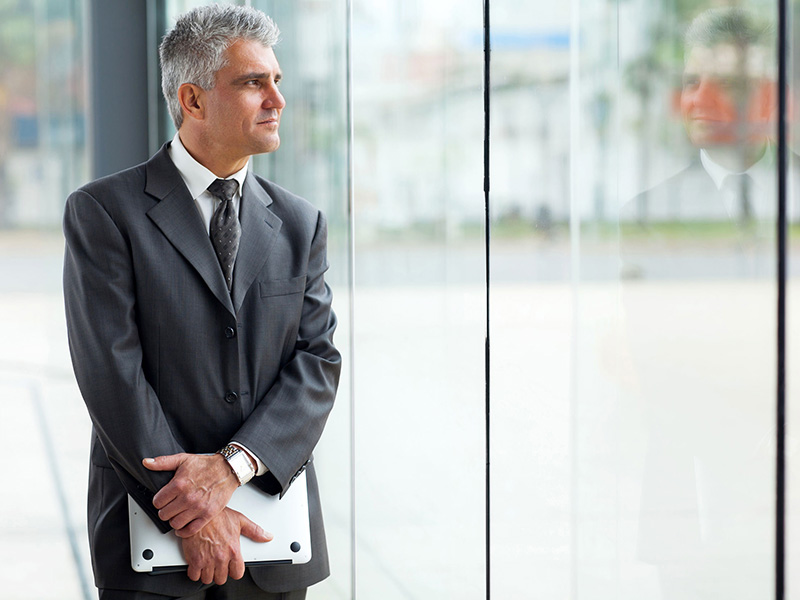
225, 229
740, 186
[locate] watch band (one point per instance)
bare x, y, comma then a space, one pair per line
239, 463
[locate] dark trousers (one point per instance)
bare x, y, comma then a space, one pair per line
242, 589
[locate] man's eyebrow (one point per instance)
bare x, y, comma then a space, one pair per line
262, 75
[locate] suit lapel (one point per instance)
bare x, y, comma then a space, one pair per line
260, 227
179, 220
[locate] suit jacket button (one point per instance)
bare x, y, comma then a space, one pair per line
231, 397
230, 332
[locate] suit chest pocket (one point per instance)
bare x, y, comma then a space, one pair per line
282, 287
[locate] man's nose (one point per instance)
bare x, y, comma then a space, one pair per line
706, 93
274, 99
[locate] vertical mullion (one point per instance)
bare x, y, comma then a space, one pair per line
487, 356
780, 500
351, 267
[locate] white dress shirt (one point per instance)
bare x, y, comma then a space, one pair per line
763, 193
197, 179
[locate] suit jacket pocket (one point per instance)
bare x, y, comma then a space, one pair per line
282, 287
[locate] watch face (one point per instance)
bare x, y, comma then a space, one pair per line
239, 463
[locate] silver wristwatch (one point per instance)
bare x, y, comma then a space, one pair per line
239, 463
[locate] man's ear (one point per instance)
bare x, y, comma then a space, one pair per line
192, 99
765, 106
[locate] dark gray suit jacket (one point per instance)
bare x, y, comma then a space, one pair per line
168, 361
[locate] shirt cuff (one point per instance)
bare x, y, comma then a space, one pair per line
262, 468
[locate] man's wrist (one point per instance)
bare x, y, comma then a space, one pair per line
249, 456
239, 462
258, 464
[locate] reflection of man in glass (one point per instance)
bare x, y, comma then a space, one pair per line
699, 320
728, 94
728, 105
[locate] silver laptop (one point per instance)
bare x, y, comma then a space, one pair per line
285, 518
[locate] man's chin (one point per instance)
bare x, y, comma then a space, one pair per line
708, 134
270, 145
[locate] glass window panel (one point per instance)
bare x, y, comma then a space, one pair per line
43, 157
419, 299
532, 305
313, 162
698, 300
650, 466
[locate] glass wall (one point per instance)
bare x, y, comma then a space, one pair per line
642, 400
532, 301
419, 299
632, 298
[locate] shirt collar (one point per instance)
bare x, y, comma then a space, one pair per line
197, 177
718, 173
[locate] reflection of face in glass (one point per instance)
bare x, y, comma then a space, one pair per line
726, 100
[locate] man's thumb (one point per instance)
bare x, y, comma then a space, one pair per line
253, 531
163, 463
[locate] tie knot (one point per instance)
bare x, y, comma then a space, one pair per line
224, 189
737, 182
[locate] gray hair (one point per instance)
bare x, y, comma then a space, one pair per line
194, 50
730, 25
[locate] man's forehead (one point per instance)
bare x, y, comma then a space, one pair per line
728, 59
251, 56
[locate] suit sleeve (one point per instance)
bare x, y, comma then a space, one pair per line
287, 424
106, 354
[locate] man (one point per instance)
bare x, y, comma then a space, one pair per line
199, 322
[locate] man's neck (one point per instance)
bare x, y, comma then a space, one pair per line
736, 158
208, 155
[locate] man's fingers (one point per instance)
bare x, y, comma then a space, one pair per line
236, 570
162, 498
215, 555
190, 529
194, 573
169, 462
200, 488
220, 576
169, 492
253, 531
181, 524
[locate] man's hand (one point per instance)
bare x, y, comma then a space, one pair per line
214, 552
199, 490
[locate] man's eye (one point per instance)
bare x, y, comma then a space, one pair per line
732, 83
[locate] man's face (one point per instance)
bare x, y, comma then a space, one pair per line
243, 109
724, 100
